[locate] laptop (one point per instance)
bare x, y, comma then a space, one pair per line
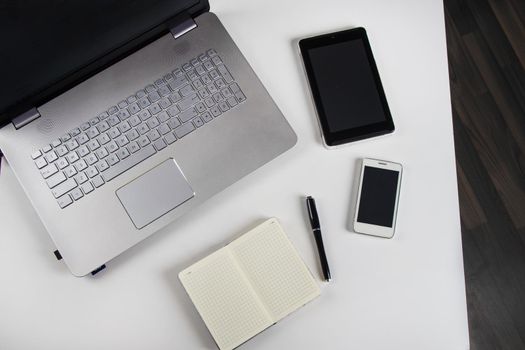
118, 117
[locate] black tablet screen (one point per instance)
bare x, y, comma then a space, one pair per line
346, 85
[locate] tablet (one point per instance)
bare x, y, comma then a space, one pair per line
346, 88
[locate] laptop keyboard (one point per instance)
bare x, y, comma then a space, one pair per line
145, 123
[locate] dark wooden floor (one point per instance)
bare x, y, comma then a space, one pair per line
486, 50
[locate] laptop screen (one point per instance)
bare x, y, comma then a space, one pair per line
45, 41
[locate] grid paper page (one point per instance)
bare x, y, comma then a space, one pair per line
274, 269
224, 299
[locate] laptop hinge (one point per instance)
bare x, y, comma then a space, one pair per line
184, 25
25, 118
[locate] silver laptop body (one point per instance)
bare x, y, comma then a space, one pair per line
105, 215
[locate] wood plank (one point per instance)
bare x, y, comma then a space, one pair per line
494, 256
509, 20
472, 213
467, 76
496, 140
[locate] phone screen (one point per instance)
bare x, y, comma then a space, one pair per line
378, 196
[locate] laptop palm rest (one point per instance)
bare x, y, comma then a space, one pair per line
155, 193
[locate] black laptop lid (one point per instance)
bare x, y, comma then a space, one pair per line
47, 46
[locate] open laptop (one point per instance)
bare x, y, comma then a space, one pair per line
120, 116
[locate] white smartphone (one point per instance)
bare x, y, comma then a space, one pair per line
377, 199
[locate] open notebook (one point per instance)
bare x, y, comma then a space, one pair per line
248, 285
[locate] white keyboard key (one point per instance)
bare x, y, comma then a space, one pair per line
97, 181
81, 178
159, 144
153, 123
173, 123
143, 141
61, 150
187, 115
133, 147
91, 159
82, 139
102, 166
77, 194
72, 157
36, 154
63, 188
112, 159
198, 122
124, 127
164, 129
49, 170
62, 163
87, 188
170, 138
93, 145
123, 153
103, 139
92, 132
72, 144
70, 171
51, 157
114, 133
56, 180
40, 162
83, 151
206, 117
184, 130
122, 140
132, 135
102, 153
103, 127
112, 146
134, 121
153, 135
64, 201
92, 172
81, 165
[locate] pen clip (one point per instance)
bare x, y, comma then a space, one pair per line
312, 213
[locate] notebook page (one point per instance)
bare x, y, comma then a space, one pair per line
275, 269
224, 299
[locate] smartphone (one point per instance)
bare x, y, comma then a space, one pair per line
377, 198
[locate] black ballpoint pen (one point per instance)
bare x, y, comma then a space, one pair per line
316, 228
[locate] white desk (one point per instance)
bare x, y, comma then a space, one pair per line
404, 293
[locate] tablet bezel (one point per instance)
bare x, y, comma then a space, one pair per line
352, 134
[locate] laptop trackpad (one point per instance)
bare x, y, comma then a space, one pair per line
155, 193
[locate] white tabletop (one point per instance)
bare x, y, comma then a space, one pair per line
404, 293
